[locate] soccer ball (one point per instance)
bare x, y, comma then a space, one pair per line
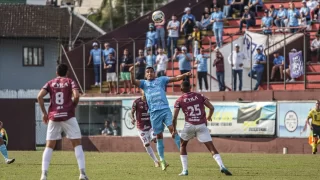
158, 16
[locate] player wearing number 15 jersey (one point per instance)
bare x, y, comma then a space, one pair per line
139, 114
193, 106
61, 117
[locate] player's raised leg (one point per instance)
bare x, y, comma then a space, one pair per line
145, 137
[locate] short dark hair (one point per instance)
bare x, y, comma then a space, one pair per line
62, 69
185, 84
174, 15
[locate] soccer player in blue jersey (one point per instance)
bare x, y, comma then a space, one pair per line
160, 113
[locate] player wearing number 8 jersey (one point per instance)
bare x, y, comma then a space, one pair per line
193, 106
140, 115
61, 117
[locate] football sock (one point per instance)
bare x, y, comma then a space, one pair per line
160, 148
151, 153
184, 161
46, 158
80, 158
4, 151
177, 141
218, 160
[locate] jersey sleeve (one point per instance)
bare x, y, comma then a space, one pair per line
204, 99
74, 85
177, 104
164, 80
46, 87
142, 84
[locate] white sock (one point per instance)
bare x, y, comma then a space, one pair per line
218, 160
80, 158
46, 158
184, 161
151, 153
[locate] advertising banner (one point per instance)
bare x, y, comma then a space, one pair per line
229, 118
292, 117
296, 64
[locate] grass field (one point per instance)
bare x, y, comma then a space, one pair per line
139, 166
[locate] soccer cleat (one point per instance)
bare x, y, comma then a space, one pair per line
314, 149
156, 164
9, 161
184, 173
83, 177
225, 171
164, 165
44, 176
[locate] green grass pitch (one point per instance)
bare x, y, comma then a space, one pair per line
139, 166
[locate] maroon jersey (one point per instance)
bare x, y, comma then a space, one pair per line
192, 105
142, 115
61, 105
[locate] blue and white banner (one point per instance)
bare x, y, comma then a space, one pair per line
296, 64
292, 117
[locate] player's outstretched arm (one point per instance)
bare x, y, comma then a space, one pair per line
76, 97
179, 77
133, 78
40, 97
208, 104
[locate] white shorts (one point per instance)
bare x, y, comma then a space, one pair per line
111, 77
200, 131
146, 136
70, 127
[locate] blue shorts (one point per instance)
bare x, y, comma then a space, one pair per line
160, 118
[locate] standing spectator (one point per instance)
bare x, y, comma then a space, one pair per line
161, 33
258, 67
188, 30
115, 128
267, 23
312, 5
184, 61
281, 17
187, 27
150, 59
315, 47
140, 63
151, 38
202, 69
217, 20
205, 23
126, 63
247, 18
278, 64
219, 64
255, 5
196, 38
273, 13
107, 50
293, 15
236, 60
111, 65
305, 14
95, 54
161, 61
173, 35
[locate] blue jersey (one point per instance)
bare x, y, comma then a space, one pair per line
155, 93
305, 11
150, 60
282, 14
259, 57
188, 16
96, 55
184, 64
293, 16
202, 65
108, 51
151, 38
217, 16
267, 21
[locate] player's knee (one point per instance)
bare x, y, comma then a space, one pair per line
160, 136
147, 145
75, 142
51, 144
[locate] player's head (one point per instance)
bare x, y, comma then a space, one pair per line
318, 104
1, 124
185, 86
62, 70
149, 74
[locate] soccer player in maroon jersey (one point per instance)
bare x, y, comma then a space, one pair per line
61, 117
139, 114
193, 106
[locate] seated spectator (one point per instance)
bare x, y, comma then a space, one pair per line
219, 64
293, 16
188, 30
217, 19
151, 38
196, 38
248, 18
219, 3
96, 54
266, 23
315, 47
232, 6
107, 50
115, 129
278, 64
202, 69
236, 60
273, 12
173, 35
184, 59
161, 62
206, 11
304, 14
150, 59
255, 5
107, 129
312, 5
258, 67
126, 63
111, 65
205, 24
281, 16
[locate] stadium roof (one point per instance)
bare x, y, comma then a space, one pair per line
41, 21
